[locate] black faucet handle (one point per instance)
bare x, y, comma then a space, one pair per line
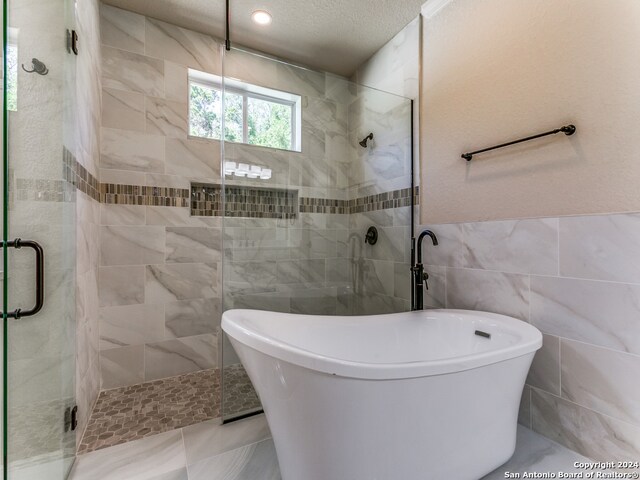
425, 277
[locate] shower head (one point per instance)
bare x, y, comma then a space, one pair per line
363, 143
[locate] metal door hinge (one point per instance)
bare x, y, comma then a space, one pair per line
72, 41
71, 419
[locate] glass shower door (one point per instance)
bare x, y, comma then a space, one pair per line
38, 234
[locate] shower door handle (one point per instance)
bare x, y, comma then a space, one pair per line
17, 244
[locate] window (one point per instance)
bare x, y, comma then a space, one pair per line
253, 115
12, 70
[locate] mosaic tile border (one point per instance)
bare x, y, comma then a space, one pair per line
380, 201
205, 200
239, 201
79, 177
117, 194
255, 202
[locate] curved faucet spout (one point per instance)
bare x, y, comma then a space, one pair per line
434, 240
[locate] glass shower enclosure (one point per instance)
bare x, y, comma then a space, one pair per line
311, 161
38, 240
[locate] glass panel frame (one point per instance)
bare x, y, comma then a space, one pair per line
316, 261
39, 361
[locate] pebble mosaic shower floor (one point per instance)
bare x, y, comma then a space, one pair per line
138, 411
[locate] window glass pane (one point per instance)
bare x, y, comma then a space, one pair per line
233, 117
12, 77
205, 105
269, 124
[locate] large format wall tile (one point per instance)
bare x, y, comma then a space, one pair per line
122, 366
378, 277
600, 313
122, 326
496, 292
132, 72
179, 217
193, 244
126, 150
604, 247
392, 245
180, 355
515, 246
253, 274
435, 296
300, 80
121, 29
176, 82
121, 285
599, 378
301, 272
167, 117
595, 436
193, 158
511, 246
124, 110
131, 245
524, 412
545, 369
181, 281
122, 214
313, 301
182, 46
186, 318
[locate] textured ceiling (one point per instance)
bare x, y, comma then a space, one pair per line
332, 35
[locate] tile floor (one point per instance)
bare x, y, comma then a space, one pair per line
243, 450
139, 411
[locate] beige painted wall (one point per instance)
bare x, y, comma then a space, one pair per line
494, 71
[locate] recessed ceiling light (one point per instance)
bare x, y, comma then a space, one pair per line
261, 17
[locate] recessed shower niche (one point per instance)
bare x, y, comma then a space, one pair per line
243, 201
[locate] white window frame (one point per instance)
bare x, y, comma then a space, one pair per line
247, 91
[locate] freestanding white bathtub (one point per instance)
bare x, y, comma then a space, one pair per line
428, 395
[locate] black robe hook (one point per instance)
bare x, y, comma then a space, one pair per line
38, 67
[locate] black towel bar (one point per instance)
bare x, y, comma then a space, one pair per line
567, 130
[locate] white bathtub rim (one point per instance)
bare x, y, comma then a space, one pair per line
531, 341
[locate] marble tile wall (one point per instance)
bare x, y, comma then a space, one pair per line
160, 268
574, 279
382, 277
172, 262
87, 152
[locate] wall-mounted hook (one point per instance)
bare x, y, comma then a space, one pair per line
38, 67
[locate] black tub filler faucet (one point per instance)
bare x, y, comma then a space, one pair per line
419, 275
